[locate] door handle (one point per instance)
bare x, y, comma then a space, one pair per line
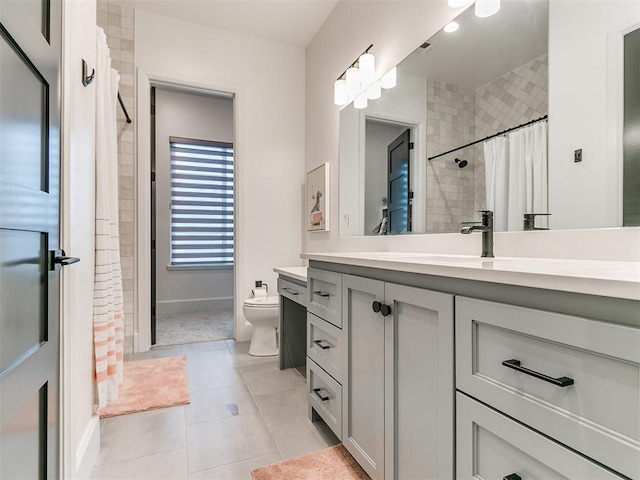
59, 259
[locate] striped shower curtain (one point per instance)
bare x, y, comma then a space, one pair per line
108, 312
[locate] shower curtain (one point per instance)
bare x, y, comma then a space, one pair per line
516, 175
108, 315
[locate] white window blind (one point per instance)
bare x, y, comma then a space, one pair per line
201, 202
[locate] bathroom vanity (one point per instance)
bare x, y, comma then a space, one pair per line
292, 288
438, 366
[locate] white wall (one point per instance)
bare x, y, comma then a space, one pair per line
268, 80
585, 110
396, 29
188, 115
80, 425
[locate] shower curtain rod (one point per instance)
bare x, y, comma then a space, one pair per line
491, 136
124, 109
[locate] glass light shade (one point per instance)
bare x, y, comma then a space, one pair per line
388, 80
340, 96
374, 91
451, 27
361, 101
459, 3
367, 66
353, 81
486, 8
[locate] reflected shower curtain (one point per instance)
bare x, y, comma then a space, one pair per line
108, 313
516, 176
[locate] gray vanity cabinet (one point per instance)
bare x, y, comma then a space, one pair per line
398, 385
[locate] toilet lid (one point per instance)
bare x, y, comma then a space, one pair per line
262, 302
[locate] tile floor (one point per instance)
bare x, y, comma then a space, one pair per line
244, 413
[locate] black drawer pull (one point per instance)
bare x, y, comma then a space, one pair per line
290, 291
560, 381
319, 343
320, 293
376, 305
385, 310
317, 392
513, 476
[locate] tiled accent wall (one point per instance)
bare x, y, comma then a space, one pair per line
118, 23
450, 123
512, 99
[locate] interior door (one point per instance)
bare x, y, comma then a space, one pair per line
30, 53
398, 184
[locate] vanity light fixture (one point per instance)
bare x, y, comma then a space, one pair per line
451, 27
358, 83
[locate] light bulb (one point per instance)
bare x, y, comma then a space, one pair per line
374, 92
388, 80
361, 101
486, 8
459, 3
451, 27
353, 81
340, 96
366, 64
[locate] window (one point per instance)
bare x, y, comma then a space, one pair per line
201, 203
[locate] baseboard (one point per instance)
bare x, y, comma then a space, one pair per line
88, 449
169, 307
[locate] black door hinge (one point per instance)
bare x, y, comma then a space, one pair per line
410, 145
153, 176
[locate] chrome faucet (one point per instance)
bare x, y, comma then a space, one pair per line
486, 227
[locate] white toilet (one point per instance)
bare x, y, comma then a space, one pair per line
263, 312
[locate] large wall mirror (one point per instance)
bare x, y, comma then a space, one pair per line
502, 114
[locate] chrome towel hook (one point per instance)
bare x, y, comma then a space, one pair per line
87, 79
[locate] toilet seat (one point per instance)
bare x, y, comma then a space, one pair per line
262, 302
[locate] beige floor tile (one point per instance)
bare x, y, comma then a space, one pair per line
168, 465
219, 403
230, 440
268, 379
205, 346
213, 377
141, 434
284, 405
236, 471
299, 437
204, 360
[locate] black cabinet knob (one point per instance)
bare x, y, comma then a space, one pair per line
376, 305
385, 310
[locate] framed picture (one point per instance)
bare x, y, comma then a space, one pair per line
317, 201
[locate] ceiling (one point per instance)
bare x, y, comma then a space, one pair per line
293, 22
484, 48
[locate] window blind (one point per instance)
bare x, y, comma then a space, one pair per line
202, 202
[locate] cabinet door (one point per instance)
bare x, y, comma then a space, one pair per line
419, 388
363, 382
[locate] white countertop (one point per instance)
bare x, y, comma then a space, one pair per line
297, 273
605, 278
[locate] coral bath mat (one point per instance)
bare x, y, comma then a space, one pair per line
150, 384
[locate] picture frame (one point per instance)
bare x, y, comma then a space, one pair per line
317, 205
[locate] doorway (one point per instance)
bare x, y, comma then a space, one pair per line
192, 216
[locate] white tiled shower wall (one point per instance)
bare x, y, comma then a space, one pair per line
118, 23
457, 116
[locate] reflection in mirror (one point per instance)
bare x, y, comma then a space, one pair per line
487, 77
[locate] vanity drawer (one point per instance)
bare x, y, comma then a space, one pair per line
490, 445
325, 396
292, 291
324, 295
595, 406
325, 346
